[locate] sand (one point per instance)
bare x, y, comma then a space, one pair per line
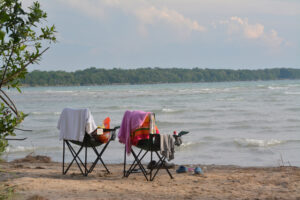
39, 178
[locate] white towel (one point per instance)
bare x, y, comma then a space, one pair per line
74, 123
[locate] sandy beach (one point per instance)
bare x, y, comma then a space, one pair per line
39, 178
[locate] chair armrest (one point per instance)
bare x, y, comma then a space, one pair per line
113, 132
109, 129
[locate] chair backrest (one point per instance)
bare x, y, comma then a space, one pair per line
74, 123
143, 132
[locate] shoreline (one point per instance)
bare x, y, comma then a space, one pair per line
40, 178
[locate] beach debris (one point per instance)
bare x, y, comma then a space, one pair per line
37, 197
39, 167
33, 159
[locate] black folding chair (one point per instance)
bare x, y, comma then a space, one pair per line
145, 146
152, 146
88, 142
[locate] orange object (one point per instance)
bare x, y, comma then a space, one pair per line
142, 132
104, 138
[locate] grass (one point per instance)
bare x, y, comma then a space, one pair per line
6, 191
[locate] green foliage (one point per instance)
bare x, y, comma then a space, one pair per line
21, 38
93, 76
6, 191
8, 123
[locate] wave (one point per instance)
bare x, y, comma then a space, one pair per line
44, 113
17, 149
31, 149
190, 145
231, 99
170, 110
292, 93
276, 87
59, 91
246, 142
283, 87
293, 141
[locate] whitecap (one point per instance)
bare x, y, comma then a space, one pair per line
59, 91
191, 145
16, 149
168, 110
276, 87
44, 113
247, 142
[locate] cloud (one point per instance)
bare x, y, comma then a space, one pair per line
251, 31
237, 25
143, 11
153, 15
273, 39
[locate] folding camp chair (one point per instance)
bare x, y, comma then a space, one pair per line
147, 140
146, 146
73, 117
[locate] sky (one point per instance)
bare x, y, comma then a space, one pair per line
216, 34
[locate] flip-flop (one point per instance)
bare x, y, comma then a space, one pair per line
182, 169
198, 170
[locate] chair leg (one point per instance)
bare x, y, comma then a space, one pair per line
75, 157
124, 169
162, 164
78, 160
135, 164
151, 159
140, 164
99, 157
85, 163
63, 163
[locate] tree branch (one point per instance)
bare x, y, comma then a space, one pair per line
23, 67
15, 111
12, 103
11, 53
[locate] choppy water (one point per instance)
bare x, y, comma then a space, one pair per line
240, 123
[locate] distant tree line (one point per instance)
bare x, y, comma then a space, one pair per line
94, 76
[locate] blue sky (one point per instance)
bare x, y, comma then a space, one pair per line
232, 34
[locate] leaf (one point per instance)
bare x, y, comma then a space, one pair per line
19, 90
23, 47
2, 35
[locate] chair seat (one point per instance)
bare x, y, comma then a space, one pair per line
150, 145
88, 141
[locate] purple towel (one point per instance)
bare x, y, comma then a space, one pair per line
131, 121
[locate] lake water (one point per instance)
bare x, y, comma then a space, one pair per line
232, 123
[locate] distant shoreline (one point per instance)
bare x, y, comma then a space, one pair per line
94, 76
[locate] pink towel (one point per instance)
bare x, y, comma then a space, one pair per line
131, 121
